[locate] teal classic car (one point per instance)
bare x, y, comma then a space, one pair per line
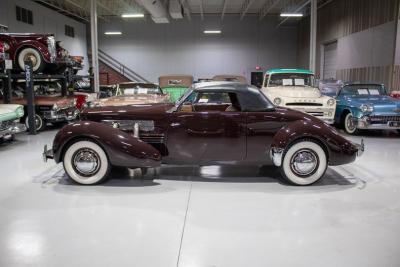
366, 106
10, 116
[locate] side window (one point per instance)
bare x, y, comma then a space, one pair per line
213, 98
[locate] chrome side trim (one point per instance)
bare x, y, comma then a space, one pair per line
276, 156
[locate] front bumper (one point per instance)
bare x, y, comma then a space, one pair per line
12, 129
47, 154
61, 115
366, 123
360, 147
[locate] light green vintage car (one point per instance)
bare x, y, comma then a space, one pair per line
10, 116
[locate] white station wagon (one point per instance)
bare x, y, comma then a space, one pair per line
294, 88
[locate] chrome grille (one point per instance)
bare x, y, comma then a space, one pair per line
4, 125
316, 113
304, 104
384, 119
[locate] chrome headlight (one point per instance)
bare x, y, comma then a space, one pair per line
331, 102
367, 108
6, 46
51, 46
277, 101
55, 107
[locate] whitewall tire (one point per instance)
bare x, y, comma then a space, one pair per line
32, 54
40, 124
349, 125
86, 163
304, 163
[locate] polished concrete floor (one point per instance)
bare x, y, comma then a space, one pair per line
194, 217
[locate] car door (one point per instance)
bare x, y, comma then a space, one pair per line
206, 133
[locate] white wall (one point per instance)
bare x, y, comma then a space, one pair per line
180, 47
369, 48
46, 21
397, 57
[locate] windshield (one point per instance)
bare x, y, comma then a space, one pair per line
364, 90
138, 88
290, 79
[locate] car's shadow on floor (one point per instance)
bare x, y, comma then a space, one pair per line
122, 177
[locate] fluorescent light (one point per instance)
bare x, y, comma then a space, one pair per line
137, 15
113, 33
212, 32
291, 15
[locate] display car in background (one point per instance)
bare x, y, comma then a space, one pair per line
230, 78
9, 121
76, 63
132, 93
3, 56
330, 87
295, 89
244, 128
42, 49
175, 85
366, 106
395, 94
49, 109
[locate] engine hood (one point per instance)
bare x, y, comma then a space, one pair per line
132, 100
292, 91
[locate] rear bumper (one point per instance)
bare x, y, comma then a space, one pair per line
12, 129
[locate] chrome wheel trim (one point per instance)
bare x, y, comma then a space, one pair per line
32, 58
304, 162
350, 125
86, 162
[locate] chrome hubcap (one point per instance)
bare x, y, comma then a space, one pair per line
304, 162
86, 162
32, 58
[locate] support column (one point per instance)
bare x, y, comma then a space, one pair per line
313, 35
94, 40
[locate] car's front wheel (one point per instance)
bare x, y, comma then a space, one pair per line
349, 124
86, 163
39, 122
304, 163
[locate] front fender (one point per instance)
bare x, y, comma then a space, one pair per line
121, 148
339, 150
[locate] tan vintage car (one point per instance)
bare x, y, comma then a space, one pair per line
133, 93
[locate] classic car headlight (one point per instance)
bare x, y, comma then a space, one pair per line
366, 108
277, 101
55, 107
6, 46
331, 102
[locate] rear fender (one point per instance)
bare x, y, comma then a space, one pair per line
122, 149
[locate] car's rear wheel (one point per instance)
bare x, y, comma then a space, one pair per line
39, 122
34, 55
349, 125
304, 163
86, 163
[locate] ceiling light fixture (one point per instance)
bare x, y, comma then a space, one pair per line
113, 33
212, 32
291, 15
136, 15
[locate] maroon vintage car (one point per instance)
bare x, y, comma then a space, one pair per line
45, 53
213, 123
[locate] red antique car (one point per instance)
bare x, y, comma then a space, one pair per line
45, 53
395, 94
213, 123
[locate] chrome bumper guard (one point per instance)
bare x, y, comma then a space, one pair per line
361, 148
365, 124
13, 129
47, 154
276, 156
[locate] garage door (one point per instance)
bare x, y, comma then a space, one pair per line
330, 57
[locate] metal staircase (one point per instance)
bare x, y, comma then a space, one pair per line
119, 67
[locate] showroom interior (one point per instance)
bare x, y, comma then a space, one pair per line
199, 133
